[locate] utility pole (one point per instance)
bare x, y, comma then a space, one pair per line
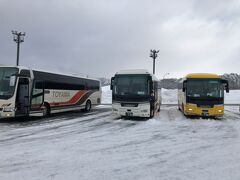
153, 54
18, 37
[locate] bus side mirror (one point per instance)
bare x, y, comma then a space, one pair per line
112, 82
225, 82
151, 86
12, 81
227, 88
184, 86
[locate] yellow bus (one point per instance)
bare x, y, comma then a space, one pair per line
202, 94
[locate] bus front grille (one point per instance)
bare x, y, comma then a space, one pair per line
129, 104
205, 106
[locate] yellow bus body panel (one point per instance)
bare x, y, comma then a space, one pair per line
192, 109
203, 75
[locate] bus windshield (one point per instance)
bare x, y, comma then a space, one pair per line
6, 91
131, 85
205, 88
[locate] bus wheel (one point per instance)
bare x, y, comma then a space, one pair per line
46, 110
88, 106
151, 113
183, 109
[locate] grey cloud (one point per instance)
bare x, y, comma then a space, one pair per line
100, 37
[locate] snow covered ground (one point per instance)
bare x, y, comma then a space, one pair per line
97, 145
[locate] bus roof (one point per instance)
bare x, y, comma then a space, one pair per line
133, 71
202, 75
136, 71
51, 72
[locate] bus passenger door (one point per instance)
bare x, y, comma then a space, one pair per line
37, 99
22, 98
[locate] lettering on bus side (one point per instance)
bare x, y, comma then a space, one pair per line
60, 94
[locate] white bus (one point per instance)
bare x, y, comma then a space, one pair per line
26, 92
135, 93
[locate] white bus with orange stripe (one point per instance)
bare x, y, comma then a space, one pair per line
26, 92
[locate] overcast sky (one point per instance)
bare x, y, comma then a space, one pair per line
100, 37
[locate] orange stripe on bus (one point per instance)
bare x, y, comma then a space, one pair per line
73, 100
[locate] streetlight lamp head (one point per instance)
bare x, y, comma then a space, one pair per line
18, 37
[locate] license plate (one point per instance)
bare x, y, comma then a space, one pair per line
129, 114
205, 114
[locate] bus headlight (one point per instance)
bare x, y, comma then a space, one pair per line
144, 110
8, 109
220, 111
190, 109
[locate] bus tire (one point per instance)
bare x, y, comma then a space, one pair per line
46, 110
88, 106
183, 109
151, 113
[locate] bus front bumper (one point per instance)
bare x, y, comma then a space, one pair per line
142, 110
194, 110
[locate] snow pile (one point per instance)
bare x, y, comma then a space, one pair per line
106, 95
169, 96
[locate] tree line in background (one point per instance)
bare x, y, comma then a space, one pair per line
171, 83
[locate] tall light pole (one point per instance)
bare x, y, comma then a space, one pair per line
153, 54
18, 37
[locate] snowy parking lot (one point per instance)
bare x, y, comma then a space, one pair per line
98, 145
